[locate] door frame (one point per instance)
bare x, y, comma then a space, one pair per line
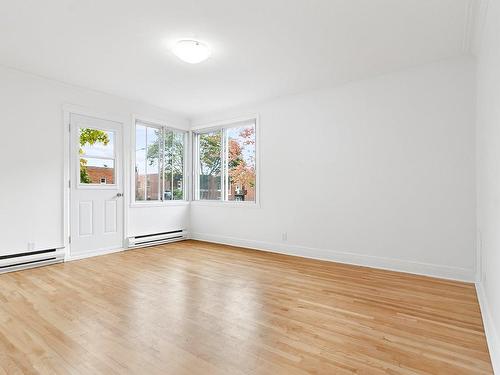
123, 120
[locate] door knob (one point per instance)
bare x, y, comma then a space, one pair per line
119, 195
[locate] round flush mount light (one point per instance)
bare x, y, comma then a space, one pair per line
191, 51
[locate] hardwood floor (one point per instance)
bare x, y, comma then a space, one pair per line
198, 308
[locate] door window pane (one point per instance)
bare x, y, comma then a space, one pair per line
96, 149
240, 175
97, 171
210, 163
97, 143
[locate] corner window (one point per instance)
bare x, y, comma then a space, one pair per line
225, 163
159, 163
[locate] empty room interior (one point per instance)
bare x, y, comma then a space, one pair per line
250, 187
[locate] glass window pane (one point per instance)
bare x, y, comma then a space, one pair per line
152, 164
210, 147
97, 171
97, 143
241, 163
140, 163
178, 165
174, 165
167, 169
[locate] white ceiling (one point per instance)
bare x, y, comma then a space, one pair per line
261, 48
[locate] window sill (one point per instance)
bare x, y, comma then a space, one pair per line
226, 204
159, 204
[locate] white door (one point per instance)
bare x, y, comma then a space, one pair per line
96, 209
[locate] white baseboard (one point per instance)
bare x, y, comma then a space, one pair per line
91, 254
425, 269
489, 328
99, 252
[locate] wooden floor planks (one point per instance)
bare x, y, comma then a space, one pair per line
198, 308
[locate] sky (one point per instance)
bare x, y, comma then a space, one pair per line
99, 150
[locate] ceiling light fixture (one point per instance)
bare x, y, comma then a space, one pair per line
191, 51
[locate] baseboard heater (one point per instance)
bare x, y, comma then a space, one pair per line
37, 258
157, 238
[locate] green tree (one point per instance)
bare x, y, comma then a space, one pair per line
171, 145
210, 153
210, 150
89, 137
241, 172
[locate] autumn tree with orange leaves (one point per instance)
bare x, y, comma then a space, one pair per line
241, 167
241, 173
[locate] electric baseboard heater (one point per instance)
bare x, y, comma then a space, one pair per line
37, 258
157, 238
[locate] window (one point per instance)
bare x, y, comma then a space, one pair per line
159, 163
97, 156
225, 162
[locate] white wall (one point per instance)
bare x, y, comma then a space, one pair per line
377, 172
31, 154
488, 174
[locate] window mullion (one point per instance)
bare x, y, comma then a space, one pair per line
196, 165
172, 165
222, 172
161, 172
226, 163
146, 164
186, 167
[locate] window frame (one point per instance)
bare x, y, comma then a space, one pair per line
198, 129
158, 124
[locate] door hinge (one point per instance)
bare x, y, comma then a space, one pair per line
69, 239
69, 184
69, 127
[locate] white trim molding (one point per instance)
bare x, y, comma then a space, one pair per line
489, 328
197, 126
391, 264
